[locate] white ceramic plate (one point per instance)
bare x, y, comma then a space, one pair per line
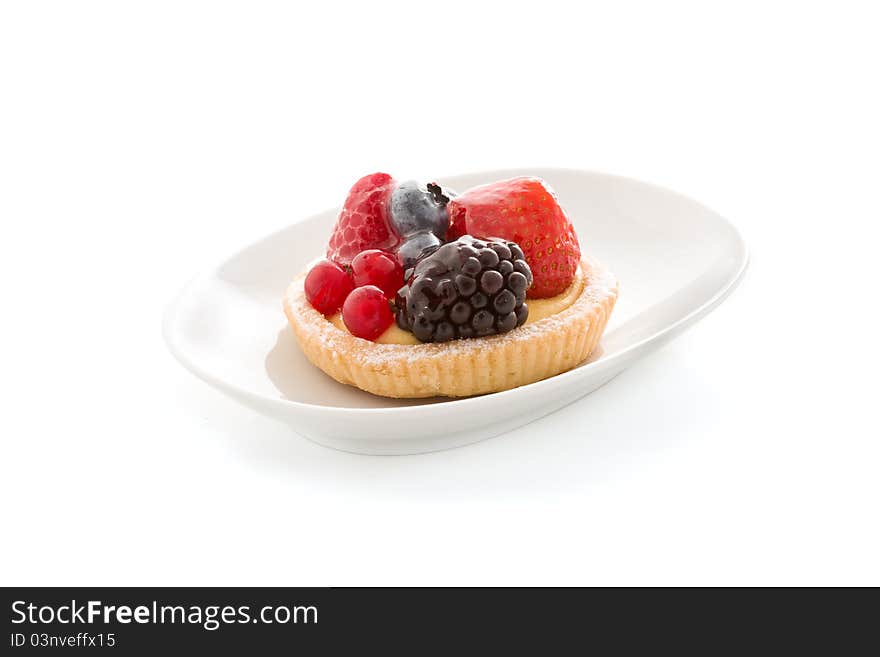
675, 259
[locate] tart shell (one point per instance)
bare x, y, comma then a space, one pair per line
459, 368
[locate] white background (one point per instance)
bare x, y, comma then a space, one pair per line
142, 142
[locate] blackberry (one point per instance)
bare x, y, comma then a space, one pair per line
465, 289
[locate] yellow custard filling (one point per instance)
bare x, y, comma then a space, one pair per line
538, 310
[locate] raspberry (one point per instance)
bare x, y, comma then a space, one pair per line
363, 223
367, 312
327, 285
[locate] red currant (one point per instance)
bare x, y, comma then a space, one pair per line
367, 313
375, 267
327, 285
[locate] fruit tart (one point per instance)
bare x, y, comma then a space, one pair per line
425, 292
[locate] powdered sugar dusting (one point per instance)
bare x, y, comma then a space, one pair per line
600, 285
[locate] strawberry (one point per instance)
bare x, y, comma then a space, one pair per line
523, 210
363, 223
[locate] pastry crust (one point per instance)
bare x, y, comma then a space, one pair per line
459, 368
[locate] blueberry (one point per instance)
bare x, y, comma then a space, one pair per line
416, 207
415, 246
